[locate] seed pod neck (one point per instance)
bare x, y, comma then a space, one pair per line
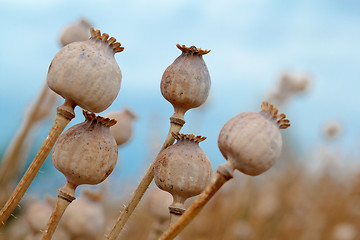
188, 137
111, 43
178, 205
227, 169
92, 120
270, 112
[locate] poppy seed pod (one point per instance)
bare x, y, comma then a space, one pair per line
123, 129
75, 32
87, 152
251, 141
87, 73
183, 170
186, 82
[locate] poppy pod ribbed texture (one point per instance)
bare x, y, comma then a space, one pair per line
251, 141
87, 73
87, 152
183, 169
186, 82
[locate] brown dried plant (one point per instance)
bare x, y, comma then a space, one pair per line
71, 75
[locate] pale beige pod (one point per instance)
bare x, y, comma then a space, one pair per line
87, 73
186, 82
37, 215
123, 129
85, 217
75, 32
87, 152
183, 170
251, 141
158, 202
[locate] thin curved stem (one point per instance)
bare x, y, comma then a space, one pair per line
10, 160
65, 197
144, 184
217, 181
64, 115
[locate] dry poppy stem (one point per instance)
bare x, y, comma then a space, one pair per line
64, 115
65, 197
175, 126
217, 181
174, 217
10, 160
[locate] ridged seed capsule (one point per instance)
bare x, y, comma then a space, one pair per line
251, 141
86, 154
186, 82
183, 170
87, 73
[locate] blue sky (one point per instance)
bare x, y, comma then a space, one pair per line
252, 42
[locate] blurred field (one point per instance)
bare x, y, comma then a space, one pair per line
288, 202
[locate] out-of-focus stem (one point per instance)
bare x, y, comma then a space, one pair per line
64, 115
175, 126
157, 230
65, 197
10, 160
174, 217
217, 181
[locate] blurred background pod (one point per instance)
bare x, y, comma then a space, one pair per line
37, 215
157, 203
288, 86
85, 217
75, 32
123, 129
